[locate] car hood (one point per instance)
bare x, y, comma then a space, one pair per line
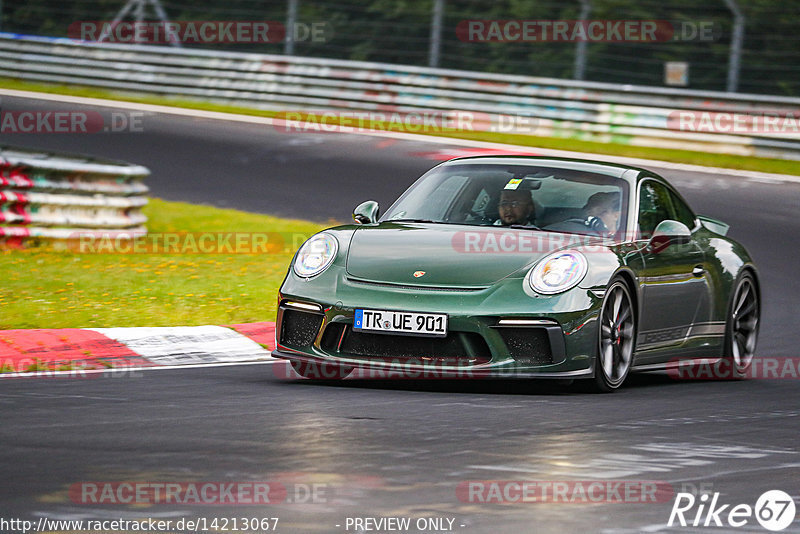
448, 255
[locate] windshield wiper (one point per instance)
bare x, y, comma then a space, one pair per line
414, 220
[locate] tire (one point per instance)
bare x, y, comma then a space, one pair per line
741, 327
321, 371
616, 338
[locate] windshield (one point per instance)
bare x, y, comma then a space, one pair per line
552, 199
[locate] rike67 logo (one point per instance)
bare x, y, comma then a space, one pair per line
774, 510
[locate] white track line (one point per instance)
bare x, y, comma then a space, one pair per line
216, 115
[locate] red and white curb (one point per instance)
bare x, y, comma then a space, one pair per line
71, 350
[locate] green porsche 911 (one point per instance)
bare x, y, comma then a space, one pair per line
530, 267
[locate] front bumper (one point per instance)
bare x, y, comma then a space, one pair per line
495, 332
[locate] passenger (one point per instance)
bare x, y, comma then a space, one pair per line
602, 213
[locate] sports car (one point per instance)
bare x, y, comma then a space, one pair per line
523, 267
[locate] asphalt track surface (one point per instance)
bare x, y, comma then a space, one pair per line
398, 448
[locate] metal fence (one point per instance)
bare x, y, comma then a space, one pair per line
59, 196
754, 42
634, 115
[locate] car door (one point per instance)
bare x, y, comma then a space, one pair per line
673, 278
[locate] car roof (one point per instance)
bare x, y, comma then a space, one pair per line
599, 167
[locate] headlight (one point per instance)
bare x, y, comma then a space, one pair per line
315, 255
557, 272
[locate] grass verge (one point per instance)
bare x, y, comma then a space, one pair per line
770, 165
49, 286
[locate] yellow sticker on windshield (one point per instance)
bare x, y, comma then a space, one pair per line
513, 183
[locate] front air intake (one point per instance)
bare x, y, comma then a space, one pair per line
299, 328
457, 348
527, 345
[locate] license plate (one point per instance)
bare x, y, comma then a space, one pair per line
397, 322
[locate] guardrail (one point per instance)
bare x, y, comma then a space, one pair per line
635, 115
59, 196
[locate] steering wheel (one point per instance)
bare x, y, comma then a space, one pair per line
596, 225
480, 217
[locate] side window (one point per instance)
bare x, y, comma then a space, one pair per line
682, 212
654, 207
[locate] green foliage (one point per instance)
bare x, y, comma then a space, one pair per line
49, 286
398, 31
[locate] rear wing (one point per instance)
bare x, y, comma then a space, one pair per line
715, 225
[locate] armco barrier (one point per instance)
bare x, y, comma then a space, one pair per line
56, 196
592, 111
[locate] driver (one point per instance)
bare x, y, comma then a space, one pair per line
515, 207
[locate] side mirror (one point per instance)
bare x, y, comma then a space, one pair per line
366, 212
670, 232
